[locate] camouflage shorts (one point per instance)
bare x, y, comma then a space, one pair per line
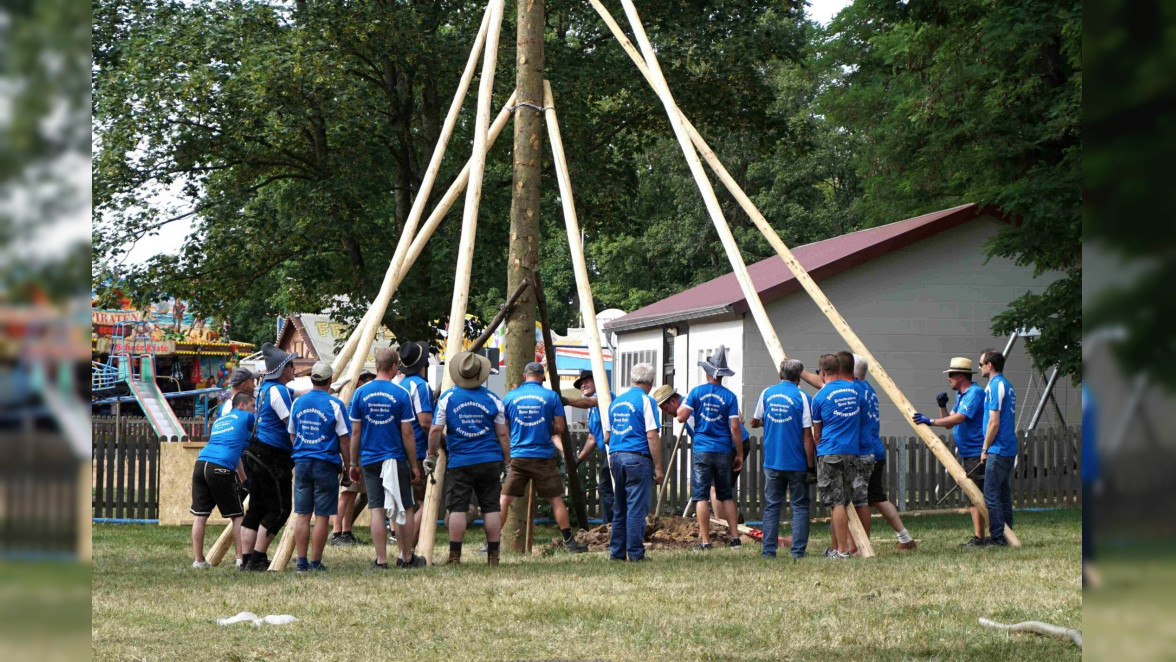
835, 478
861, 479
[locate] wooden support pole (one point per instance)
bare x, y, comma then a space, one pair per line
529, 536
85, 502
858, 532
569, 453
503, 311
465, 259
579, 265
661, 489
802, 276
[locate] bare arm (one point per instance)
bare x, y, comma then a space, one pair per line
559, 425
816, 433
810, 447
990, 433
356, 433
683, 413
587, 449
737, 439
502, 430
582, 403
345, 449
655, 450
241, 471
812, 379
425, 420
756, 423
950, 420
435, 440
409, 440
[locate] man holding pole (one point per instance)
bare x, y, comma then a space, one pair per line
1000, 446
785, 413
341, 535
218, 473
836, 421
586, 383
478, 444
967, 422
383, 455
718, 445
634, 447
876, 495
536, 418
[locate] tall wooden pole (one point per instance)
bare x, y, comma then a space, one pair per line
881, 376
465, 261
524, 218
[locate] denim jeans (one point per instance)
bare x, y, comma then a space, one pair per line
998, 494
775, 483
604, 488
711, 469
632, 480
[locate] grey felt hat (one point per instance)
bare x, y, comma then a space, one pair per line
716, 364
275, 360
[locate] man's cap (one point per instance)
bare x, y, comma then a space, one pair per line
533, 368
662, 393
366, 374
321, 372
584, 374
960, 364
413, 356
241, 376
469, 370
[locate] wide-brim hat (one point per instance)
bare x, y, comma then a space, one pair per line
469, 370
716, 364
413, 356
584, 374
662, 393
960, 364
275, 360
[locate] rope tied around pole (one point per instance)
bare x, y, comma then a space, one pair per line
534, 106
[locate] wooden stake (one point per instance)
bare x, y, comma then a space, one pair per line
858, 532
661, 489
529, 535
465, 259
802, 276
85, 502
569, 453
579, 265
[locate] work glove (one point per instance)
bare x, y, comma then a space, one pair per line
941, 399
811, 476
563, 400
920, 419
430, 465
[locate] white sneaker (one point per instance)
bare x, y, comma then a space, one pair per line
200, 565
239, 563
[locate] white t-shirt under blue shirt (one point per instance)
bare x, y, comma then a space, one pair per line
531, 410
837, 408
786, 412
712, 406
273, 407
381, 407
470, 416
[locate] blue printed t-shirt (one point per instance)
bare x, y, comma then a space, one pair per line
999, 397
837, 408
471, 415
273, 408
712, 406
630, 417
380, 407
228, 439
786, 412
969, 435
1091, 466
531, 410
317, 421
871, 432
421, 397
595, 427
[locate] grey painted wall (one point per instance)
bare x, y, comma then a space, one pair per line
914, 308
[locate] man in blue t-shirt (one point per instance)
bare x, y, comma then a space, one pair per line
836, 431
349, 490
321, 438
876, 495
718, 445
414, 359
586, 383
1000, 446
267, 460
536, 418
967, 422
218, 474
634, 454
785, 413
478, 446
383, 457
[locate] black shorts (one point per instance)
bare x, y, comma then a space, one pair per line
876, 492
375, 487
482, 481
215, 486
970, 465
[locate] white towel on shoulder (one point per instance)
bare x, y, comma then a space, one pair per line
393, 506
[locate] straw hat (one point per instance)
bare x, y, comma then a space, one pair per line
469, 370
960, 364
662, 393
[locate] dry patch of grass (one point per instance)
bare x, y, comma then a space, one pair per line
724, 604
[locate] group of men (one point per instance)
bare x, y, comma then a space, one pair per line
389, 438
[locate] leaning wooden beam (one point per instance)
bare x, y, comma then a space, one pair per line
503, 311
465, 260
662, 489
579, 265
806, 281
395, 270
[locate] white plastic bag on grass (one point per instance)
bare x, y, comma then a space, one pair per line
250, 617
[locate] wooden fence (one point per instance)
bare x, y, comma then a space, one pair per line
1048, 473
38, 494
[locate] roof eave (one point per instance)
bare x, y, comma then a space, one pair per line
620, 326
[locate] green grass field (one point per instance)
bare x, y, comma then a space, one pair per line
726, 604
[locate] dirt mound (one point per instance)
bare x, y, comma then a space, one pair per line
664, 533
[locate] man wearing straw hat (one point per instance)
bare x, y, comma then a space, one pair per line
718, 445
967, 422
478, 443
267, 460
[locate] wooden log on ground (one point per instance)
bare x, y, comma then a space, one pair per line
881, 376
1037, 627
465, 258
579, 265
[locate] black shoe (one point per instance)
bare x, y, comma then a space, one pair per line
734, 542
335, 540
574, 546
995, 542
413, 562
257, 564
975, 542
702, 547
348, 539
382, 566
640, 559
